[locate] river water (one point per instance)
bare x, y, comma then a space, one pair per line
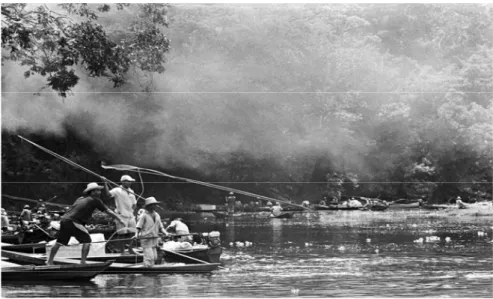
325, 254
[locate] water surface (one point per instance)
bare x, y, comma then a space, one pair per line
326, 254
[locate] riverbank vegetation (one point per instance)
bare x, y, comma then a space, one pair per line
292, 101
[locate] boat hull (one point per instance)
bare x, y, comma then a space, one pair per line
119, 268
115, 268
57, 272
282, 216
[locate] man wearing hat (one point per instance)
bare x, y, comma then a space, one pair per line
125, 203
5, 220
26, 214
148, 228
73, 221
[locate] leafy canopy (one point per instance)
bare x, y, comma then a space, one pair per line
57, 43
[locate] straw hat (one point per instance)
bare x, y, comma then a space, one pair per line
92, 186
150, 201
27, 207
126, 178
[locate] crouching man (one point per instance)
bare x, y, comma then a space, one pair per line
73, 221
148, 228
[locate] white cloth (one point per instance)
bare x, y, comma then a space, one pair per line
124, 201
128, 225
172, 246
354, 203
150, 225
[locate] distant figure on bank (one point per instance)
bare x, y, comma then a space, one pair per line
42, 209
26, 215
460, 203
39, 205
125, 203
305, 204
5, 220
148, 227
238, 206
230, 202
73, 221
323, 202
276, 210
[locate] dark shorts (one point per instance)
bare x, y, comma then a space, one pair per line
68, 229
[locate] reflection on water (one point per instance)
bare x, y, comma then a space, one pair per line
345, 254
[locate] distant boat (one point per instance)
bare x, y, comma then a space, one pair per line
283, 215
366, 203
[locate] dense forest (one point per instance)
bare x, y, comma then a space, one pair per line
289, 101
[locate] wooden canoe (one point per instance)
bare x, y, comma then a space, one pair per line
413, 205
209, 255
434, 207
39, 259
27, 248
283, 215
14, 272
119, 268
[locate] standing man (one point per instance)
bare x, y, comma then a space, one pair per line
125, 203
230, 199
73, 221
276, 210
148, 227
26, 215
5, 220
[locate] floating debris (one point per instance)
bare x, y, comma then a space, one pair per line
432, 239
368, 240
447, 239
295, 291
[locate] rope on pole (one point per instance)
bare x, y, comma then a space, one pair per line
72, 163
123, 167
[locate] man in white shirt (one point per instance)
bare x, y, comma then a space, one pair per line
179, 228
276, 210
125, 203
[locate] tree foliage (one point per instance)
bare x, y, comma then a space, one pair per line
57, 45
